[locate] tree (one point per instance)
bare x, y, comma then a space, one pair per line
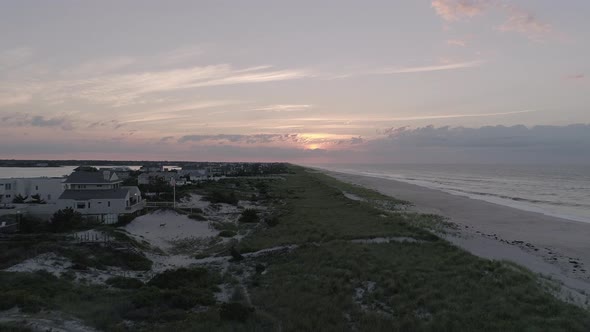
36, 199
19, 199
65, 220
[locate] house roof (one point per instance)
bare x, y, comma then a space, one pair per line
84, 195
89, 177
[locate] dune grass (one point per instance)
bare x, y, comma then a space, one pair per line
425, 286
311, 208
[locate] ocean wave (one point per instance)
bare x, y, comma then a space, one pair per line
521, 199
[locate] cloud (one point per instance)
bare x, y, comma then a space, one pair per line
103, 81
14, 99
525, 23
512, 137
351, 141
457, 42
125, 89
290, 139
247, 139
517, 19
408, 69
98, 124
430, 144
26, 120
14, 57
421, 69
100, 66
455, 10
284, 108
579, 76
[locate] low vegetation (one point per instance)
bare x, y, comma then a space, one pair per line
314, 276
249, 216
218, 196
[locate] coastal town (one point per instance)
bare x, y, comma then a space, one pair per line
249, 246
105, 194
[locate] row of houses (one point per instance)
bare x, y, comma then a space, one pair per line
92, 193
180, 178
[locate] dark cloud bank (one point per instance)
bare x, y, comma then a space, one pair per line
491, 144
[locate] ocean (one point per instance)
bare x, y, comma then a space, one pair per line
556, 190
34, 172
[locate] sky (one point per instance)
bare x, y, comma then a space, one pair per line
487, 81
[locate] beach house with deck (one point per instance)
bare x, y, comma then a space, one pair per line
100, 194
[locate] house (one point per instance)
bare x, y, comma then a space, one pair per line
151, 168
48, 189
148, 178
100, 194
194, 174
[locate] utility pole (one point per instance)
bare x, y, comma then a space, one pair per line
173, 182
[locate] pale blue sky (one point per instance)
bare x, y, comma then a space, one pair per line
180, 79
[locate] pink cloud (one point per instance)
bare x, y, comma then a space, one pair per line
457, 42
525, 23
455, 10
579, 76
517, 19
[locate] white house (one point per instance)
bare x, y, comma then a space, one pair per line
48, 189
100, 194
151, 168
195, 174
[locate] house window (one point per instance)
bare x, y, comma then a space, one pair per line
48, 197
8, 186
7, 196
36, 187
80, 205
99, 185
109, 203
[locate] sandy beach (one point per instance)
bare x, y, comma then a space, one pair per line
556, 248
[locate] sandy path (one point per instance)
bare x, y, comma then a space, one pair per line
161, 228
555, 247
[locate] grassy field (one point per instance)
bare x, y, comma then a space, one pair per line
333, 279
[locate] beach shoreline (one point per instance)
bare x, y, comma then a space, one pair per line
556, 248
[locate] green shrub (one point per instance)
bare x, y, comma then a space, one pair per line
19, 199
235, 311
124, 283
13, 327
28, 224
273, 221
217, 196
183, 277
65, 220
102, 257
197, 216
249, 216
227, 233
